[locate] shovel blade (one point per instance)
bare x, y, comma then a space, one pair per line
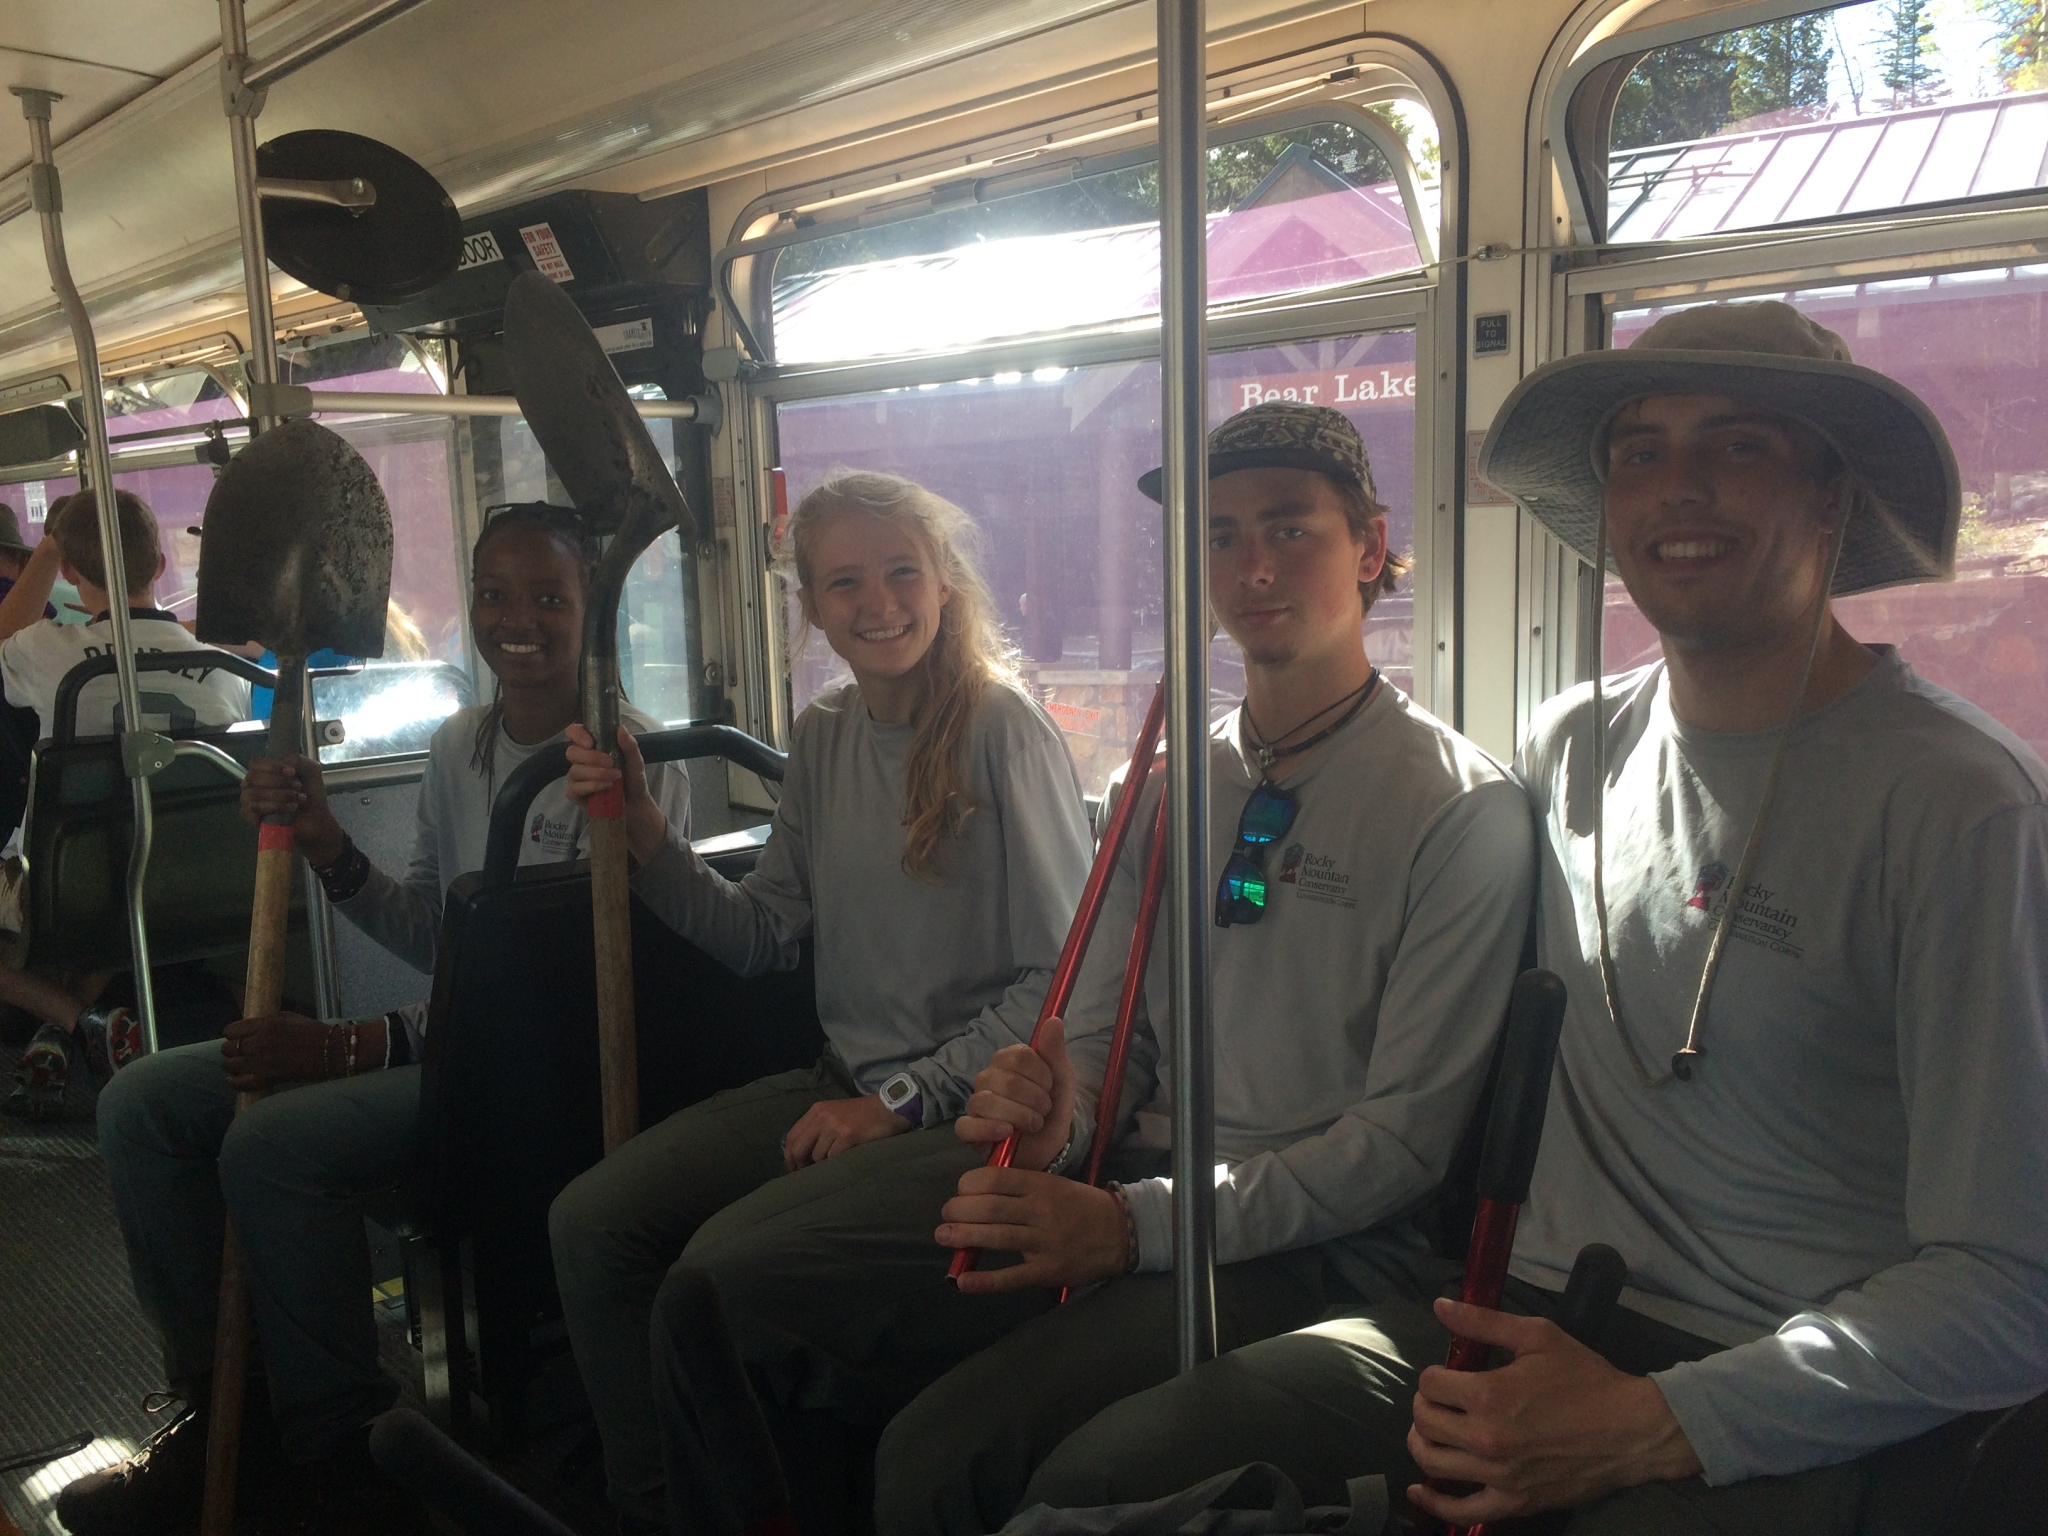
582, 417
296, 548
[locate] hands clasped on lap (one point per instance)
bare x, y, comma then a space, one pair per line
1066, 1232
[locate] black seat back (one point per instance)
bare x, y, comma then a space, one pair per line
79, 827
509, 1108
75, 842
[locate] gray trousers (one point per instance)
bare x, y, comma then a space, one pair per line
958, 1459
1335, 1401
289, 1171
618, 1226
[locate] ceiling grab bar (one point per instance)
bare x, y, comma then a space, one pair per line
143, 753
1183, 330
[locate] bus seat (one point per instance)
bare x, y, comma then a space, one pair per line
202, 868
75, 842
509, 1104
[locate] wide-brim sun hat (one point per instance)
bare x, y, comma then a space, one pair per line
1547, 446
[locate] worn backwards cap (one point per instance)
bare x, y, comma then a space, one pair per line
1547, 447
1282, 434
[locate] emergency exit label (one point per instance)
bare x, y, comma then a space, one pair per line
546, 252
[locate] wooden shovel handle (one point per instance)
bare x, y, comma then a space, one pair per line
612, 926
262, 993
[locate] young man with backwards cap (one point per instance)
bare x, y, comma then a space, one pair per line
1822, 1151
1358, 980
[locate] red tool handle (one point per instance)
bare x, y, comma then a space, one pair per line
1111, 1101
1134, 991
1086, 916
1514, 1129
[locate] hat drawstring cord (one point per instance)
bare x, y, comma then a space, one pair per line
1724, 924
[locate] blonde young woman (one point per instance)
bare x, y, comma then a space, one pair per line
931, 842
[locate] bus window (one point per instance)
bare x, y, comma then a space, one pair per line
657, 637
1974, 346
1292, 210
1047, 465
1851, 110
396, 705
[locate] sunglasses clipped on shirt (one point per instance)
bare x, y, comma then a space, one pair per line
1241, 894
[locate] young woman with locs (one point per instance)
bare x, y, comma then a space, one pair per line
931, 843
343, 1105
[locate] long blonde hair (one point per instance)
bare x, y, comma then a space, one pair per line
967, 655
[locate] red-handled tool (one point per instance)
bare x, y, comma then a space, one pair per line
1086, 916
1154, 889
1514, 1129
1109, 1106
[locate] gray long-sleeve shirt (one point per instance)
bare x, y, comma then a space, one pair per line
928, 977
1352, 1024
454, 820
1851, 1191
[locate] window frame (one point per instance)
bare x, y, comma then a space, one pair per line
756, 320
1430, 299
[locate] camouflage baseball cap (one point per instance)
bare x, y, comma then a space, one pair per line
1282, 434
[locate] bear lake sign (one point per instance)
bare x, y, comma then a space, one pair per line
1372, 385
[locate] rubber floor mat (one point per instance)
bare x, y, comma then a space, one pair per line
75, 1354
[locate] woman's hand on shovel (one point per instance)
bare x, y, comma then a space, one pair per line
292, 786
592, 771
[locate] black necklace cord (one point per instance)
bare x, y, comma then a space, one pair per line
1268, 754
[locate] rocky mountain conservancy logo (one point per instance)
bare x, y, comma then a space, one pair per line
1762, 916
555, 836
1316, 877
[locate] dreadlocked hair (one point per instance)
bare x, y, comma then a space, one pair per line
967, 655
565, 526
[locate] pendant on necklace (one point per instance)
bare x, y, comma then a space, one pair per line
1266, 756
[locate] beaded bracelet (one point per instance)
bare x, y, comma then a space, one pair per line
348, 874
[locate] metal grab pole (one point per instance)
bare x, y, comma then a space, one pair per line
242, 102
1183, 327
142, 752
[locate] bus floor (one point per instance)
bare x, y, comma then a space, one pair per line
77, 1361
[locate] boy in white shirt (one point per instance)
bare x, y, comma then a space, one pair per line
35, 655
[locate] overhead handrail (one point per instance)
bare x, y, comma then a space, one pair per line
508, 813
64, 716
280, 400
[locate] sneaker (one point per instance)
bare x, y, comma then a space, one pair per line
157, 1490
112, 1038
42, 1075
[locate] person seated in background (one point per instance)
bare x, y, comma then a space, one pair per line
35, 654
1825, 1159
932, 841
343, 1106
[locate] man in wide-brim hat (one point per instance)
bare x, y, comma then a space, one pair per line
1799, 898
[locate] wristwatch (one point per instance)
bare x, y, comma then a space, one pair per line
903, 1095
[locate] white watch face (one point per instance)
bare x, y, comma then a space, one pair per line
897, 1092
